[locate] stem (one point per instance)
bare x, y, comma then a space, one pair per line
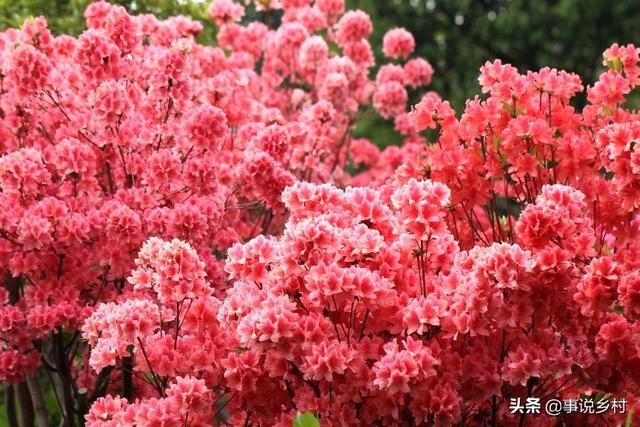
55, 386
127, 378
10, 402
101, 384
27, 416
530, 384
65, 378
345, 138
153, 374
364, 323
175, 337
38, 401
506, 195
494, 399
494, 411
352, 321
224, 405
267, 222
330, 395
420, 275
13, 286
314, 386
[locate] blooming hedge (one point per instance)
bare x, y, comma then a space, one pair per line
192, 235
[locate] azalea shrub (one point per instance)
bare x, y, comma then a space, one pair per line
192, 235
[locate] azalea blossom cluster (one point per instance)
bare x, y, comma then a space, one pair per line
492, 256
131, 158
184, 241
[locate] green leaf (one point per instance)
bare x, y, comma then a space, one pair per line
306, 419
222, 400
616, 309
615, 64
628, 422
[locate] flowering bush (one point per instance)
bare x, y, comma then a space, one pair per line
191, 235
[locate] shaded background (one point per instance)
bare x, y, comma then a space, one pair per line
458, 36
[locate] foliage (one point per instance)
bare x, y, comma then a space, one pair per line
306, 419
459, 35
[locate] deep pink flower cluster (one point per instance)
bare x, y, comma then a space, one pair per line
191, 234
188, 401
